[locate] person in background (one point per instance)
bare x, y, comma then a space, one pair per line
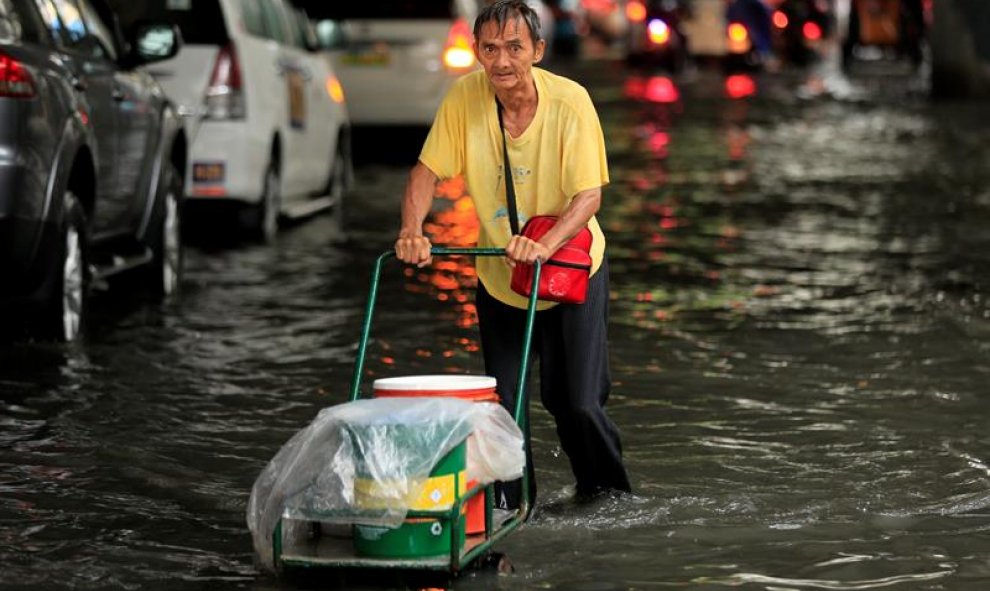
757, 17
558, 164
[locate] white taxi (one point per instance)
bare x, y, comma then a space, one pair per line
265, 113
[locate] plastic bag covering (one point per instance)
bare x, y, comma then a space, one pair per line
393, 442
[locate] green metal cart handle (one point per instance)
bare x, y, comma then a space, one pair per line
436, 251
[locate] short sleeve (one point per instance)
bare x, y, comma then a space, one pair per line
583, 161
443, 150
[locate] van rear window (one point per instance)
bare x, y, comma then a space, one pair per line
382, 10
201, 21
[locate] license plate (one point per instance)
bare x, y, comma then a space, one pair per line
377, 55
209, 172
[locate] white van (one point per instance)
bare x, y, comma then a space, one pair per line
396, 59
265, 113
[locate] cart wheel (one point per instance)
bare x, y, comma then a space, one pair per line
498, 562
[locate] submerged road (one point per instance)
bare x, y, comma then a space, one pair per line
800, 339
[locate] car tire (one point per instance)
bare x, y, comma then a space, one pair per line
261, 220
339, 182
166, 269
65, 311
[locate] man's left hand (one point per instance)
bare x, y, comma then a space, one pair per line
525, 250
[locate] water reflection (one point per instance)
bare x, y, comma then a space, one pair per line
654, 89
451, 343
740, 86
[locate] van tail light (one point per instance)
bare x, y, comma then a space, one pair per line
659, 32
225, 93
457, 53
738, 38
15, 80
636, 11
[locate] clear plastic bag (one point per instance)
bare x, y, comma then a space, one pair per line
391, 443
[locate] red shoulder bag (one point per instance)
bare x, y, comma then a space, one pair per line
563, 278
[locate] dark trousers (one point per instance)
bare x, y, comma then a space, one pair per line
571, 342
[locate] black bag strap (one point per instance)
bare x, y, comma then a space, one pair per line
510, 188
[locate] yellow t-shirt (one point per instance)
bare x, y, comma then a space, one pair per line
560, 154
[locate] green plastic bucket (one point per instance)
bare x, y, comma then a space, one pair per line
420, 537
475, 388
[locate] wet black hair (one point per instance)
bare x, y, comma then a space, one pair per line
502, 11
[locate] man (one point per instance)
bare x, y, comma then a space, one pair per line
557, 156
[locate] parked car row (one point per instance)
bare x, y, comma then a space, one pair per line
111, 132
124, 121
266, 117
92, 158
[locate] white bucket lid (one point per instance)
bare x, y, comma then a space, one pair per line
435, 382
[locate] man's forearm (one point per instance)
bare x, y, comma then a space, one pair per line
577, 215
417, 200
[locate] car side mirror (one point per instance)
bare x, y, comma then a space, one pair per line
154, 42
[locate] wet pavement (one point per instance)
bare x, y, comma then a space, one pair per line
800, 337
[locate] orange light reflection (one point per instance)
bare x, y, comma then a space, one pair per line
452, 279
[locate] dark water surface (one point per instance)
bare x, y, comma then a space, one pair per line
801, 356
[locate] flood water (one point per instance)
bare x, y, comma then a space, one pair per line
800, 341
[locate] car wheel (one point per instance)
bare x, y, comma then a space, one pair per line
65, 312
264, 225
166, 244
338, 190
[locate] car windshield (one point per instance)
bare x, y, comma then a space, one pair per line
386, 10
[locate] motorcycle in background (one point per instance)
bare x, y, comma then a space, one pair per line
749, 43
655, 35
800, 27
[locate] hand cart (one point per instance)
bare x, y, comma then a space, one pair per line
337, 552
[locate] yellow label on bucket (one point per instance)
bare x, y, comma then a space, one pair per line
439, 492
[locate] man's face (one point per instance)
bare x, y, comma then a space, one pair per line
508, 55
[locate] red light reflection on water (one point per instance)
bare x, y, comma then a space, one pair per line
738, 142
740, 86
656, 89
635, 87
661, 90
658, 143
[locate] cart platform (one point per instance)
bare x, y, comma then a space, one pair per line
330, 547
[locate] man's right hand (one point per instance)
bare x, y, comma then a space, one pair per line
414, 249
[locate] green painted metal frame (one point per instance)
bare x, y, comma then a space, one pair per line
451, 516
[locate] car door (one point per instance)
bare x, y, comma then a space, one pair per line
93, 76
135, 117
292, 76
319, 128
